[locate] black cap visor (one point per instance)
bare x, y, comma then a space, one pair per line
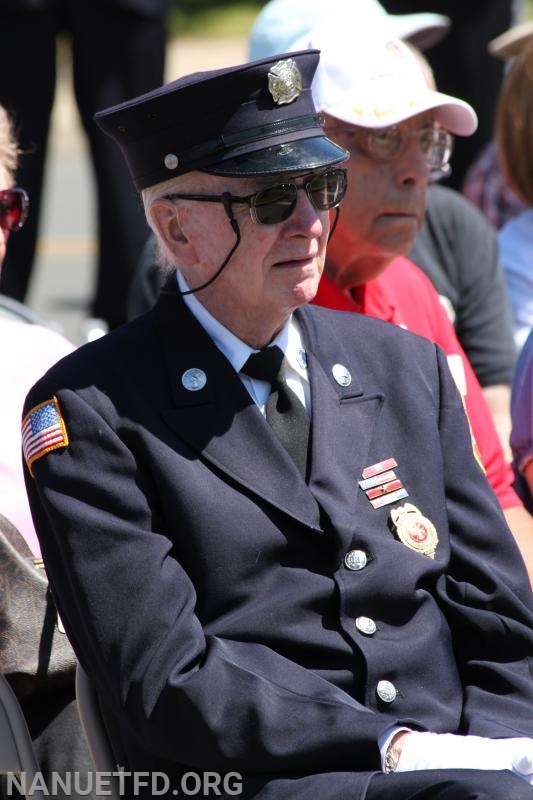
302, 154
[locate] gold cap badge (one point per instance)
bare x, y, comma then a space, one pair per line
284, 81
414, 530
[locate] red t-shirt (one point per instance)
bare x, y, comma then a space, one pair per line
405, 296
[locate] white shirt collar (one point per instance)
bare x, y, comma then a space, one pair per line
289, 339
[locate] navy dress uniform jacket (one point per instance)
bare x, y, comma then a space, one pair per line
203, 583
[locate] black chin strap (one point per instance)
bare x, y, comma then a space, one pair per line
337, 215
226, 200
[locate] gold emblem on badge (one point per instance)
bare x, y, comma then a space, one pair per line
414, 530
284, 81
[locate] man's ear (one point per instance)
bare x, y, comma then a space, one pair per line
168, 223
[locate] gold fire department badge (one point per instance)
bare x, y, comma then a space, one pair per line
414, 530
284, 81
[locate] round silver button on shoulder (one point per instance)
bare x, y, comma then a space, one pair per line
366, 625
386, 691
171, 161
194, 379
355, 559
341, 374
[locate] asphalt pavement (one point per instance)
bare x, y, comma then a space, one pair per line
64, 272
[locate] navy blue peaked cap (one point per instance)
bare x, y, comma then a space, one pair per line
253, 119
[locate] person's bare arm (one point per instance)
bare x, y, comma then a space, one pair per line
520, 522
499, 402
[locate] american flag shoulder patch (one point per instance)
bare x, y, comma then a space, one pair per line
43, 430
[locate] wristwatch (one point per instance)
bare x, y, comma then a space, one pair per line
392, 756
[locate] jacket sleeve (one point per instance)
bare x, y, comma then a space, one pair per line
485, 591
499, 472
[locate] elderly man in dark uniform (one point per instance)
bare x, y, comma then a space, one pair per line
269, 539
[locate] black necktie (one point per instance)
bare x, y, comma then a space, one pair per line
284, 411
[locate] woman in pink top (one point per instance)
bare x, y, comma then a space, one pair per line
35, 657
26, 352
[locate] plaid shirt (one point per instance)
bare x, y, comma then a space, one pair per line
484, 187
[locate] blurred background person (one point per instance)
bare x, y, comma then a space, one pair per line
35, 655
514, 129
118, 50
26, 350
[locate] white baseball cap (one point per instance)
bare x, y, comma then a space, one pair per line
281, 22
375, 82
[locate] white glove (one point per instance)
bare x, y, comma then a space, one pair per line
450, 751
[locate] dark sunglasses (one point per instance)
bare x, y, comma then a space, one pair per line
276, 203
14, 206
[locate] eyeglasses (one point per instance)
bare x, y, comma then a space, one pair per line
384, 144
276, 203
14, 206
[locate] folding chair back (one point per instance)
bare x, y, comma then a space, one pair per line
95, 731
16, 749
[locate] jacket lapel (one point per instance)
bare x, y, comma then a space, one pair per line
344, 419
221, 422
